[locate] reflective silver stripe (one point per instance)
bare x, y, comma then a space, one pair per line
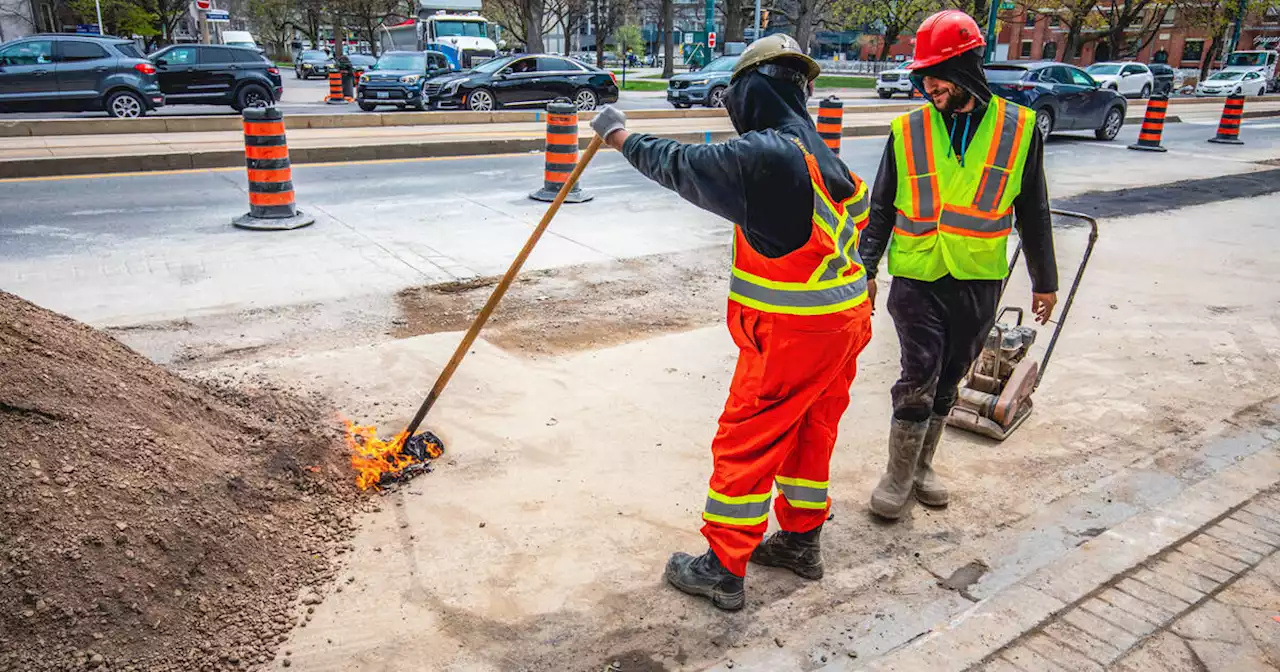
995, 177
746, 510
845, 254
913, 227
798, 298
800, 493
960, 220
824, 212
920, 151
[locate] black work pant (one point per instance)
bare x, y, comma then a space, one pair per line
941, 327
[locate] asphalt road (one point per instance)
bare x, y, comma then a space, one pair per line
151, 241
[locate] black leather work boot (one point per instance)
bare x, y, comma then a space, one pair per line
799, 552
704, 576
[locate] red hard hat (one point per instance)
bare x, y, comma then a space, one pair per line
948, 33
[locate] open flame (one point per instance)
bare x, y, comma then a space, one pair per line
379, 462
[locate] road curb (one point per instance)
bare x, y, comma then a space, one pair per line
1151, 541
161, 161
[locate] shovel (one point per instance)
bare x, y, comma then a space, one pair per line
416, 443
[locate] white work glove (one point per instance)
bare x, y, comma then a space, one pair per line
608, 120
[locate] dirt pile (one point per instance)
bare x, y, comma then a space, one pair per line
146, 522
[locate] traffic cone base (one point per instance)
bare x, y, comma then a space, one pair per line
299, 220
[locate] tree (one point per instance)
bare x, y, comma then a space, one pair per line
738, 14
121, 17
311, 13
569, 15
607, 18
169, 14
806, 15
668, 39
524, 19
367, 15
1129, 26
274, 22
895, 17
628, 38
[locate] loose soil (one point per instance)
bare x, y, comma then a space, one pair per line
152, 523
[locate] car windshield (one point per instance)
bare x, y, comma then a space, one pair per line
1241, 58
361, 59
1004, 75
415, 62
1103, 69
313, 56
490, 67
129, 50
722, 64
459, 28
1225, 76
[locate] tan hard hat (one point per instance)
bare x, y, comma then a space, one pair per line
772, 48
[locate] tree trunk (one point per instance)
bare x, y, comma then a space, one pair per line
600, 33
734, 21
890, 38
339, 37
533, 26
668, 39
1207, 62
804, 24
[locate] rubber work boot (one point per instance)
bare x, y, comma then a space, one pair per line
929, 488
891, 495
799, 552
706, 577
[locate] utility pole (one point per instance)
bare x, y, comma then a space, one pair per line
990, 52
1235, 32
98, 3
204, 25
711, 27
757, 35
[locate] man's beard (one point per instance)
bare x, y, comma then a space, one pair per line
956, 101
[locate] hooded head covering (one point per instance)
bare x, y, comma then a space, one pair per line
963, 70
757, 102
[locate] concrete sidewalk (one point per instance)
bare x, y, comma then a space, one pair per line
77, 155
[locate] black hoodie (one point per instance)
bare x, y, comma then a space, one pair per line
759, 180
1030, 207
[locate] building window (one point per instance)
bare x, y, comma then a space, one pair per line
1169, 17
1054, 20
1193, 50
1050, 51
1026, 49
1031, 19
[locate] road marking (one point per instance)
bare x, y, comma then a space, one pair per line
296, 166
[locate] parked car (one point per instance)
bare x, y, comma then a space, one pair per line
704, 87
203, 74
1064, 97
1232, 82
77, 73
896, 80
1262, 61
362, 62
523, 81
313, 62
1166, 78
398, 78
1129, 78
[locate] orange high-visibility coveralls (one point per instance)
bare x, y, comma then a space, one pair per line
799, 322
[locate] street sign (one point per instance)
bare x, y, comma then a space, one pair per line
87, 29
218, 16
204, 5
711, 40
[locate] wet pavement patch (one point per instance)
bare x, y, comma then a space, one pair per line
1170, 196
966, 576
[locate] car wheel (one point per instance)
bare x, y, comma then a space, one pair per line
251, 95
481, 100
715, 98
368, 107
1146, 91
296, 74
1111, 125
885, 94
125, 105
420, 106
1044, 122
585, 100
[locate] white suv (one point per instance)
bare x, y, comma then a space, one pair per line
894, 81
1128, 78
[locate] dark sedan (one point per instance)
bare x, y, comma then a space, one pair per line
523, 81
312, 63
1064, 97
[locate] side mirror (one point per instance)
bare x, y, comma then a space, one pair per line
161, 61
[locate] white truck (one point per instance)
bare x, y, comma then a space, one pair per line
452, 27
1256, 60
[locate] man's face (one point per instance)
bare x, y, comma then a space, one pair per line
946, 96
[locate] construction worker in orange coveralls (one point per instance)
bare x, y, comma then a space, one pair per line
798, 312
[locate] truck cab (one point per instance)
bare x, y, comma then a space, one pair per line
1257, 60
464, 38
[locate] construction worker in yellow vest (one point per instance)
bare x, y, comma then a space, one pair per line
957, 175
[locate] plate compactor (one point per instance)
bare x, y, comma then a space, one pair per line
995, 396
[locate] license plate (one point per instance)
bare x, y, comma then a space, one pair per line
384, 94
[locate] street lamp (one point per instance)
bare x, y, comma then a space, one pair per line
98, 3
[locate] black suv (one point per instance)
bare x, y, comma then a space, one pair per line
77, 73
202, 74
1164, 76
